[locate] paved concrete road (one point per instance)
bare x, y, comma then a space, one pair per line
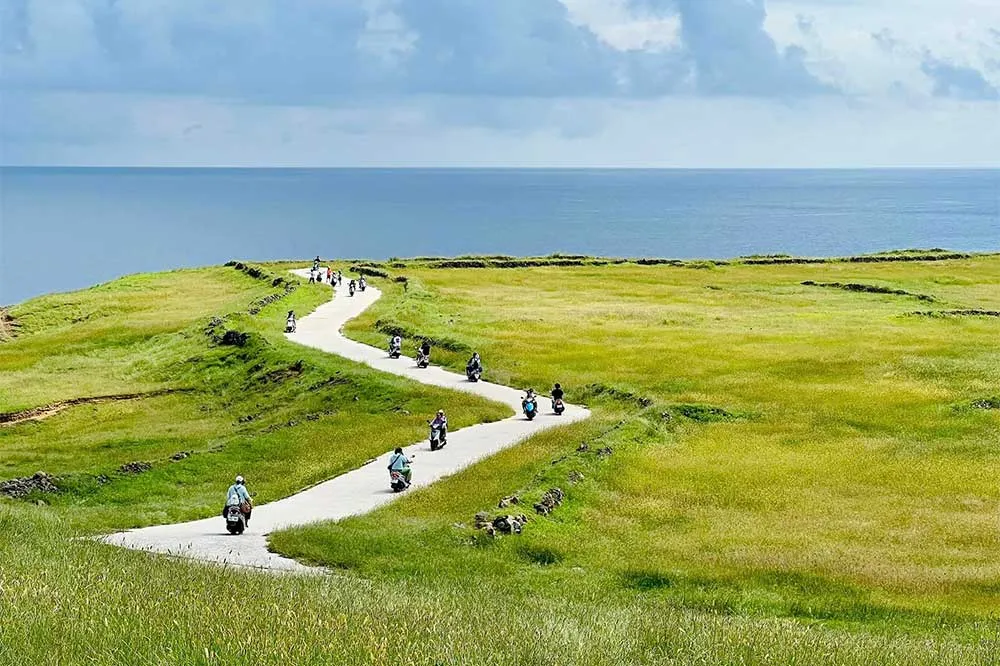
363, 489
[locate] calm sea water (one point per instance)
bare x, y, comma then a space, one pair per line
62, 229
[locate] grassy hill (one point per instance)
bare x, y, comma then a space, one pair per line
790, 461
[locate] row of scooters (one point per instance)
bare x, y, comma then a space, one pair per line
473, 371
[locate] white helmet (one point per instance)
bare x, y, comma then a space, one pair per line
239, 479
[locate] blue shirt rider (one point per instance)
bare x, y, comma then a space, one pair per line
400, 463
237, 495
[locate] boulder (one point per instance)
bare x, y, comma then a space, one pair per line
137, 467
507, 501
510, 524
550, 500
21, 487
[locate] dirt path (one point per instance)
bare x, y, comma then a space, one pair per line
361, 490
45, 411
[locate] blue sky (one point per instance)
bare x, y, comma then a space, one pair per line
680, 83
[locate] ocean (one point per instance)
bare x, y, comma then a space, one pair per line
67, 228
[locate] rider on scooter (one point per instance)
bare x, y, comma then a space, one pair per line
475, 364
237, 495
400, 463
441, 421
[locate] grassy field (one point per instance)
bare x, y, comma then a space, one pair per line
282, 415
785, 448
798, 474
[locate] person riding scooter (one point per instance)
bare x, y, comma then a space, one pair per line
529, 405
351, 286
440, 424
400, 463
237, 495
290, 322
557, 399
395, 346
474, 368
362, 283
424, 354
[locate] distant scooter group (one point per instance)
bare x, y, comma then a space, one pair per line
238, 504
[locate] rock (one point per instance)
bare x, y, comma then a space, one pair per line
137, 467
576, 477
550, 500
41, 502
510, 524
21, 487
507, 501
482, 519
181, 455
605, 452
583, 447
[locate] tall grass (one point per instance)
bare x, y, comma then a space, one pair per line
69, 602
283, 415
796, 476
775, 432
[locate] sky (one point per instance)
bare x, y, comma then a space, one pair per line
600, 83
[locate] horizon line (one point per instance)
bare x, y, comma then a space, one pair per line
220, 167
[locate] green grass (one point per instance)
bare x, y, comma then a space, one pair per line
808, 433
282, 415
799, 475
68, 602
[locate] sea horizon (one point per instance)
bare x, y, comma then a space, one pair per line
95, 223
169, 167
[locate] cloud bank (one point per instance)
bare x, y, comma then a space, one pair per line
105, 80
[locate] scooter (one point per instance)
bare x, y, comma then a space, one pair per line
557, 406
397, 481
394, 350
350, 289
530, 408
438, 438
289, 326
423, 360
236, 522
473, 373
363, 284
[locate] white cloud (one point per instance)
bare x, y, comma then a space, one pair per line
614, 22
603, 82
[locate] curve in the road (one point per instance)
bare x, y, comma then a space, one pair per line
360, 490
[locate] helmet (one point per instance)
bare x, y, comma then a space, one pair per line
239, 479
440, 412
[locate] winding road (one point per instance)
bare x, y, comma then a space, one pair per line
361, 490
